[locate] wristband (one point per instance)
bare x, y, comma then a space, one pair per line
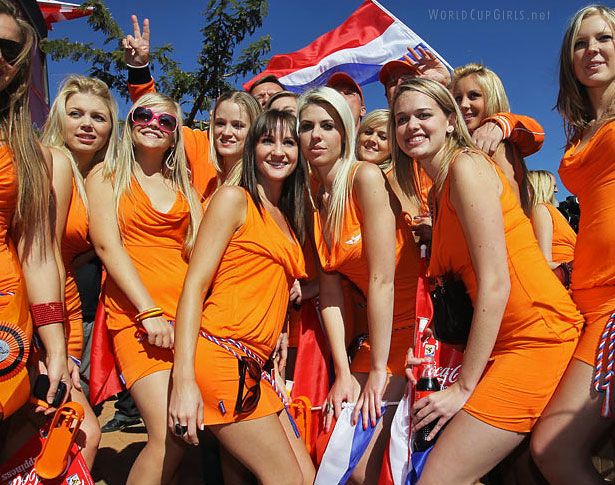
47, 313
149, 313
137, 67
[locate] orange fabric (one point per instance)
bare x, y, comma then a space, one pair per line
596, 305
424, 186
564, 237
247, 302
523, 132
401, 340
14, 392
154, 241
590, 176
196, 146
540, 323
348, 258
74, 242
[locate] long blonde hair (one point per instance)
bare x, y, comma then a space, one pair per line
373, 120
541, 185
341, 190
459, 138
572, 100
54, 131
246, 102
175, 168
490, 84
32, 215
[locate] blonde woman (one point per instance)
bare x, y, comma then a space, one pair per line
555, 236
373, 140
572, 423
81, 132
524, 326
144, 216
359, 233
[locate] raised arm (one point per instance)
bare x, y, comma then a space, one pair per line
136, 56
523, 132
225, 214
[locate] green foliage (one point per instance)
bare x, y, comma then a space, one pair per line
227, 24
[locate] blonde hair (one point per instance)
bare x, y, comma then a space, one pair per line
490, 84
374, 119
341, 189
175, 167
572, 100
54, 131
541, 187
253, 109
459, 138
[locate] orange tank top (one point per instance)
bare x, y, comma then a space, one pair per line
539, 307
10, 269
348, 258
154, 241
588, 173
248, 297
564, 237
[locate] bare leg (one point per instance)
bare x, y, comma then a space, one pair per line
570, 426
89, 433
262, 446
301, 454
367, 470
159, 459
467, 450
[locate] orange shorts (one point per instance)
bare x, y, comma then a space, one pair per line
138, 359
402, 338
596, 305
217, 375
517, 385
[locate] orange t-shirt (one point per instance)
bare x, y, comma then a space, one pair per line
348, 258
155, 242
588, 173
248, 297
539, 307
564, 237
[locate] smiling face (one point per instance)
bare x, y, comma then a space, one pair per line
471, 101
593, 56
231, 125
149, 137
276, 155
87, 125
420, 125
373, 144
264, 91
321, 134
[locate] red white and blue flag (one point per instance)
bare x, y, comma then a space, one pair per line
369, 38
54, 11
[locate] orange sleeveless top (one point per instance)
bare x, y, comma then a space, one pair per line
10, 268
154, 241
348, 258
590, 175
539, 307
248, 297
564, 237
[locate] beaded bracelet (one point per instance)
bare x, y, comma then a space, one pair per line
47, 313
149, 313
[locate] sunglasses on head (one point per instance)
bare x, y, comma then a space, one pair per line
10, 50
246, 401
144, 116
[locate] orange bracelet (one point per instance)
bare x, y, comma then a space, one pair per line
149, 313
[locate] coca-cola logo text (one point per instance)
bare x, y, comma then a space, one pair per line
447, 375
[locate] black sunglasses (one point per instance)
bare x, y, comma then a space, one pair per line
10, 50
246, 402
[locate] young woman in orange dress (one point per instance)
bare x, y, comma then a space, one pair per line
233, 307
555, 236
80, 131
524, 327
144, 215
29, 273
504, 136
572, 423
359, 232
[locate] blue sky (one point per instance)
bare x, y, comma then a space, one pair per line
520, 42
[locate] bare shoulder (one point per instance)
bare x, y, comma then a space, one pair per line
96, 175
367, 177
471, 168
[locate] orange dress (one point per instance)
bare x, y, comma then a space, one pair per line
348, 258
154, 241
588, 173
540, 325
74, 242
247, 302
564, 237
196, 146
14, 387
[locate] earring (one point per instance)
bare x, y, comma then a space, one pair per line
167, 163
450, 129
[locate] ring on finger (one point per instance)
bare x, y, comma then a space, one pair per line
328, 408
180, 430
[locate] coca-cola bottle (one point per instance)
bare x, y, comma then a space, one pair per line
427, 384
